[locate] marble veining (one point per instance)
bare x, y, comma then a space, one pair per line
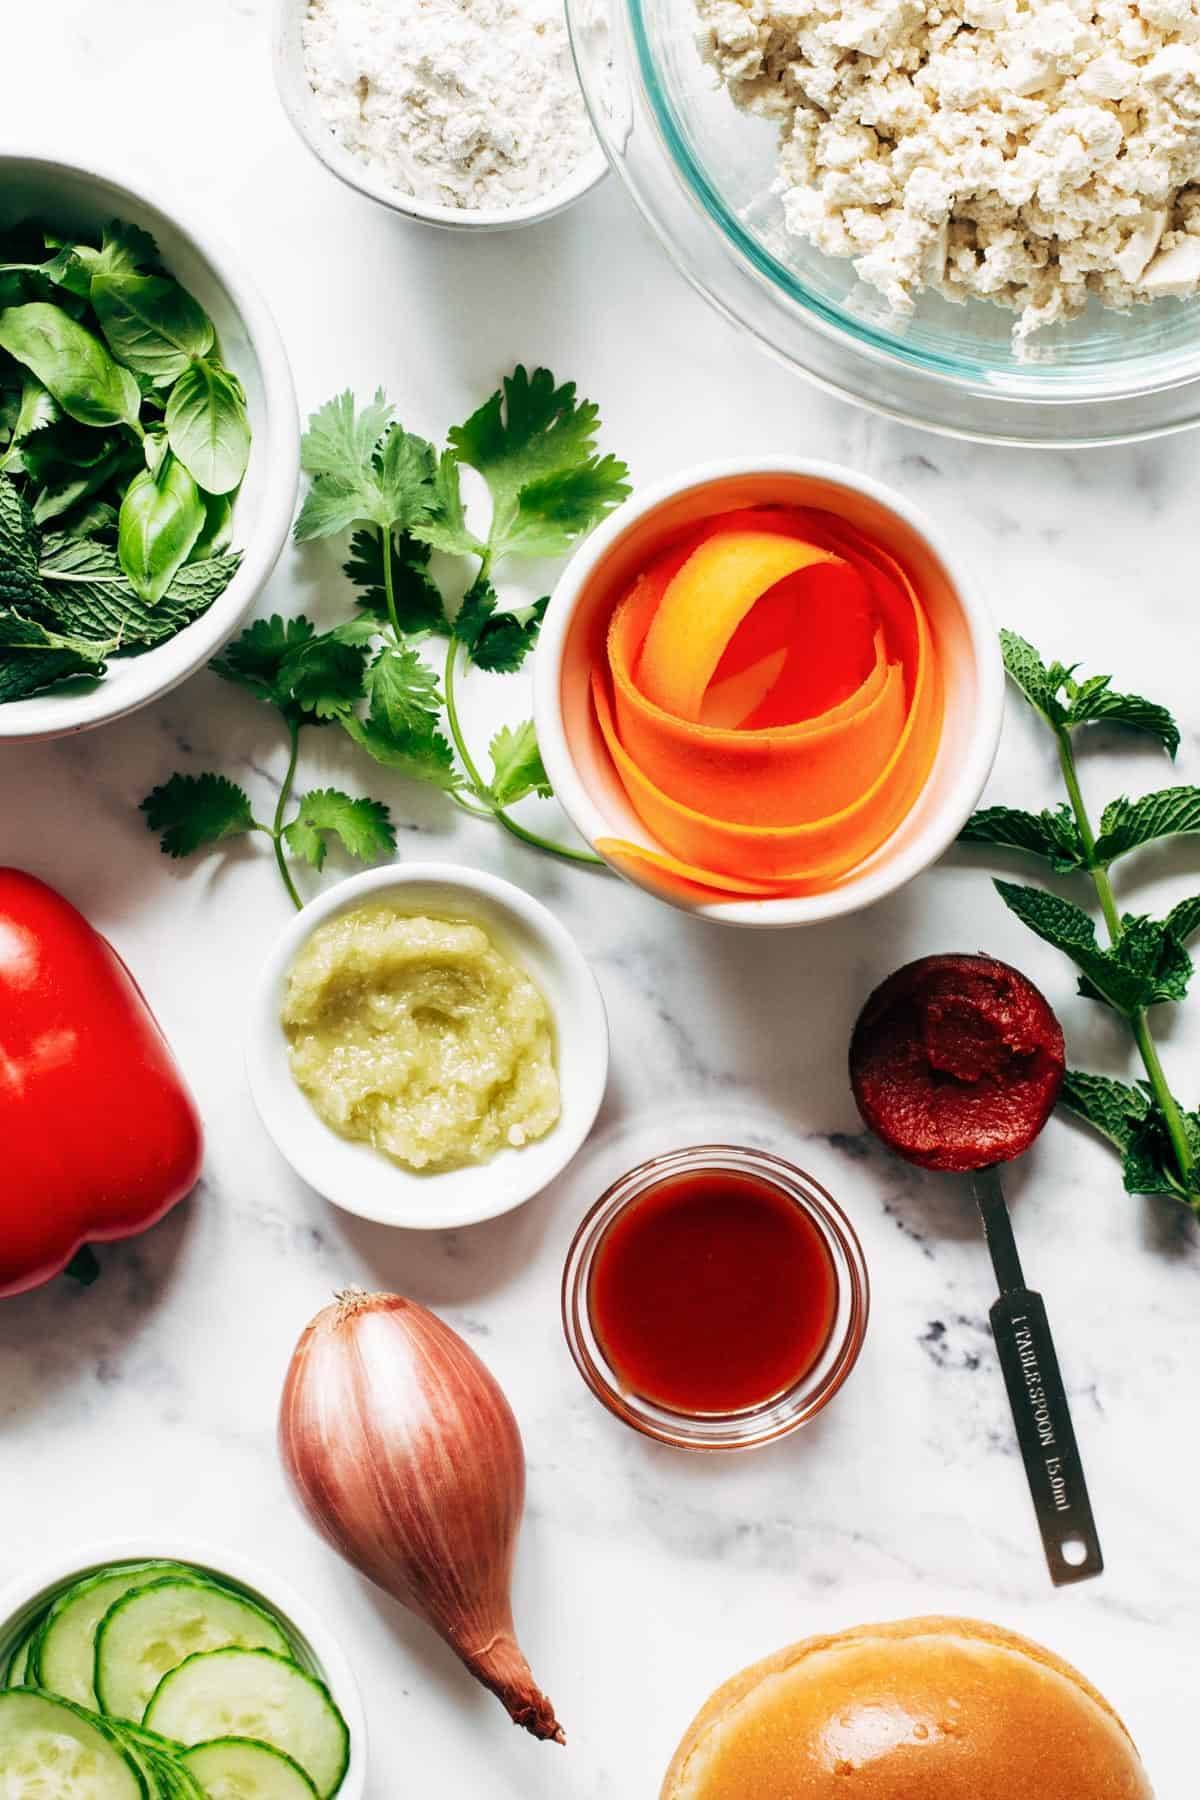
147, 1403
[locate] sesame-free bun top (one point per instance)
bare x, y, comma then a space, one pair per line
923, 1709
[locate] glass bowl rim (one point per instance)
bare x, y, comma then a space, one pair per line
1107, 383
785, 1412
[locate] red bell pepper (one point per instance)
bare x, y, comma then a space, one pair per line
99, 1137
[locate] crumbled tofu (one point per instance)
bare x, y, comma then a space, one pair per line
1035, 152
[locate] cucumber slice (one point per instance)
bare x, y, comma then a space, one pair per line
50, 1750
239, 1769
255, 1694
63, 1656
18, 1663
152, 1630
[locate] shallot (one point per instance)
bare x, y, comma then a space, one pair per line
406, 1456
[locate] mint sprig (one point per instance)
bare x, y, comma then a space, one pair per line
1145, 962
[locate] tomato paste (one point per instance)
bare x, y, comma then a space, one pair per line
956, 1062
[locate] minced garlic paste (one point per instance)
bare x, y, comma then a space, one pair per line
418, 1036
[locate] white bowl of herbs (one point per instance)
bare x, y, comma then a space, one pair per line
149, 448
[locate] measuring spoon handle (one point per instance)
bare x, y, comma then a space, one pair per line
1046, 1436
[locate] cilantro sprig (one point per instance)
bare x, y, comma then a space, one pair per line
535, 445
1145, 962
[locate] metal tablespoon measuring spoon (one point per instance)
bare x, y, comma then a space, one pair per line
956, 1062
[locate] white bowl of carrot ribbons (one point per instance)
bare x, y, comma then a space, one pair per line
765, 694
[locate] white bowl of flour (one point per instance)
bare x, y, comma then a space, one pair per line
461, 113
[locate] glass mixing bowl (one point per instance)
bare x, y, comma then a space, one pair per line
700, 169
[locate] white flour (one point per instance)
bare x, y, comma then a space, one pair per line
466, 103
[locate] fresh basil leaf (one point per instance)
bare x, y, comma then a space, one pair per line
218, 528
162, 515
207, 426
71, 363
151, 324
125, 249
1127, 824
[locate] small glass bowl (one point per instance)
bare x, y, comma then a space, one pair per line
774, 1418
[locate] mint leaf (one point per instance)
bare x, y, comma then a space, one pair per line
1127, 824
497, 642
87, 593
517, 767
402, 691
1039, 684
1156, 955
1111, 1107
421, 755
190, 811
1053, 836
1184, 919
20, 586
1093, 701
33, 657
1149, 1165
363, 827
419, 606
446, 527
535, 446
1070, 929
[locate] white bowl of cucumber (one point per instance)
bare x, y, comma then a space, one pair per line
176, 1673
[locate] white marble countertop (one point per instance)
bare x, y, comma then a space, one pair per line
148, 1402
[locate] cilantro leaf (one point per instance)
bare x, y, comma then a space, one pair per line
340, 440
534, 444
1093, 701
418, 599
517, 767
498, 642
421, 755
311, 679
446, 528
359, 475
363, 827
190, 811
1127, 824
1054, 836
403, 691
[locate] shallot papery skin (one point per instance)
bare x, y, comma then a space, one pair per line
406, 1456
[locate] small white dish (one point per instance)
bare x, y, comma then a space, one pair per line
300, 104
28, 1594
572, 636
76, 199
356, 1177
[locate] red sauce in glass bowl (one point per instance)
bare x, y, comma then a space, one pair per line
712, 1292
